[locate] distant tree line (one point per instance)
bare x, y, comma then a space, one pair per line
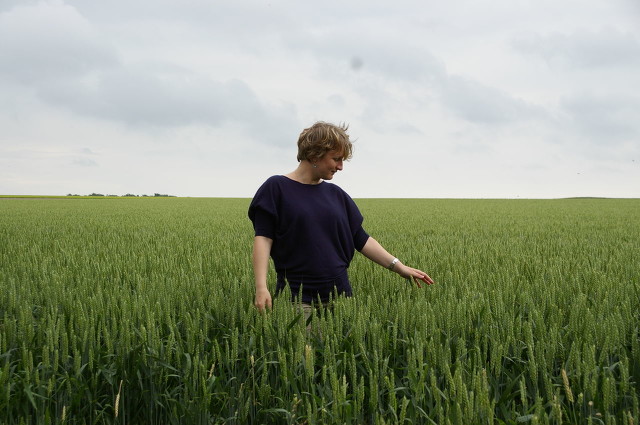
128, 195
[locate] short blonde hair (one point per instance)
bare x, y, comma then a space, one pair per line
323, 137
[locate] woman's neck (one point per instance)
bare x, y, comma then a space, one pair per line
304, 174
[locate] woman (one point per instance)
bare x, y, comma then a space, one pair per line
311, 228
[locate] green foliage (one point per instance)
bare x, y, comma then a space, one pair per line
123, 311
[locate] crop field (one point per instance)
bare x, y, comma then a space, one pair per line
139, 311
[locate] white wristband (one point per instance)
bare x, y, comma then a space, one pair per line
393, 264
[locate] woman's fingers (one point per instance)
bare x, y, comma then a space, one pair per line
421, 276
426, 279
263, 301
417, 281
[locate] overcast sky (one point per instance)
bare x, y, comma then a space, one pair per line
466, 98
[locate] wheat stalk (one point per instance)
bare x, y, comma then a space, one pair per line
117, 404
567, 388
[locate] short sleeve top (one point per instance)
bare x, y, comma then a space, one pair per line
315, 228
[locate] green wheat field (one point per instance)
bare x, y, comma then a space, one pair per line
139, 311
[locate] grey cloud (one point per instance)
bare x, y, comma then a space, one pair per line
604, 119
163, 96
634, 9
49, 41
404, 61
606, 48
57, 156
380, 109
478, 103
473, 147
10, 4
247, 17
388, 70
231, 22
396, 57
356, 63
52, 49
336, 100
84, 162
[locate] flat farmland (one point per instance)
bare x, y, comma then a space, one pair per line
129, 311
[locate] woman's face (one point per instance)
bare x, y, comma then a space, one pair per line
328, 165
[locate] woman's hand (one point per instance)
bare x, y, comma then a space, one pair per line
411, 273
376, 253
263, 299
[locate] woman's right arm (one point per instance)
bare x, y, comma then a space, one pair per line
261, 252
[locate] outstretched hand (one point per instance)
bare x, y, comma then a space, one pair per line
376, 253
418, 276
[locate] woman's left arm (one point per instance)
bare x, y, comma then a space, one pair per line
376, 253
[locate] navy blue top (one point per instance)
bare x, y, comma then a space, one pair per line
315, 229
